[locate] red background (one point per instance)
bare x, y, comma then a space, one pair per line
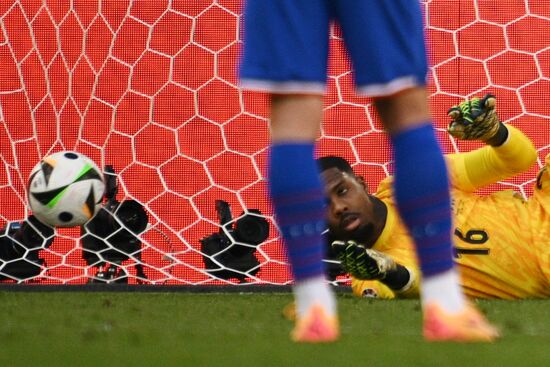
150, 87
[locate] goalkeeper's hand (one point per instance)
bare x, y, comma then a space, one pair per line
475, 119
363, 263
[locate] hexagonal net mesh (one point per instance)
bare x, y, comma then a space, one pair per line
150, 88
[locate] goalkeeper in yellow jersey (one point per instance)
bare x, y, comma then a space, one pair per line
502, 241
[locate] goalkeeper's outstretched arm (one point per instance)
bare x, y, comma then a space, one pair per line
508, 151
368, 264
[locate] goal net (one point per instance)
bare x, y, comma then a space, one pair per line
150, 88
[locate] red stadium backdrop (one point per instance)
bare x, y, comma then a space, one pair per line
150, 87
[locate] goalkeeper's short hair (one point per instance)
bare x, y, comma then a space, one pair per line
332, 161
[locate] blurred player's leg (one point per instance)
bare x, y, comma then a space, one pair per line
390, 63
298, 199
422, 194
285, 53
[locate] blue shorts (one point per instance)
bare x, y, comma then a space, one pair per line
286, 44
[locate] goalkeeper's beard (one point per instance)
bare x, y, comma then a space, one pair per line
361, 233
368, 233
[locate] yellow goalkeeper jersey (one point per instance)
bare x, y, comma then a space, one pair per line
502, 242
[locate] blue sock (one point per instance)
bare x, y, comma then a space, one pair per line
422, 196
298, 199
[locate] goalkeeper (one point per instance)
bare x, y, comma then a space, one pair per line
502, 242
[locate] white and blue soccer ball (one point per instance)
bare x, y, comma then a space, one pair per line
65, 189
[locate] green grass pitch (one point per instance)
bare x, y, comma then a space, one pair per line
189, 329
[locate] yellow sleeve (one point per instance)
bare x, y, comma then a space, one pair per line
377, 289
472, 170
371, 289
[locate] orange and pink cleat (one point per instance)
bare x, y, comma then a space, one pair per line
316, 327
469, 326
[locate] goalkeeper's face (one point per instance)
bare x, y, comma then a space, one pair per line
351, 210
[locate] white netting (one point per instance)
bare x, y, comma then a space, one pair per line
150, 88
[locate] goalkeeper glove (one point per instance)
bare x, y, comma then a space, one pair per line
363, 263
475, 119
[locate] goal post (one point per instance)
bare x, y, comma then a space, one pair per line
150, 88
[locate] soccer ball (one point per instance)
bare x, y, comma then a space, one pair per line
65, 189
